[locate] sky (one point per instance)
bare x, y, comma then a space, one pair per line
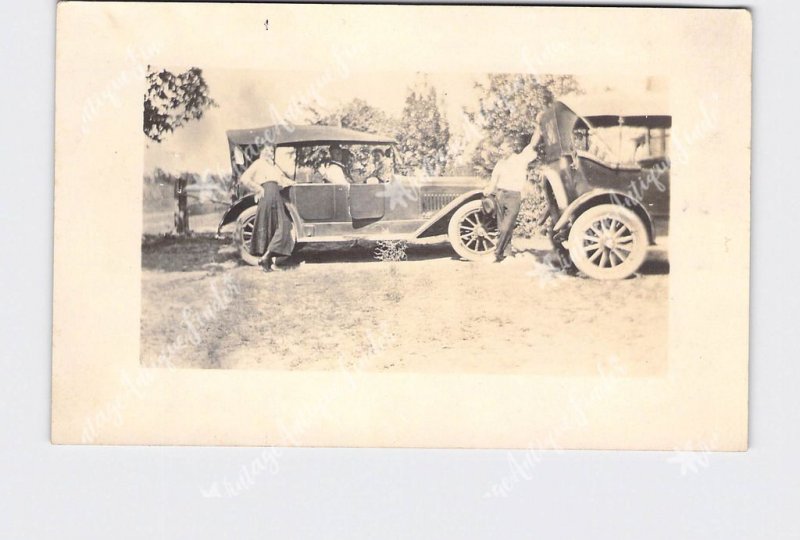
255, 98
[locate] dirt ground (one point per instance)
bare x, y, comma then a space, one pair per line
341, 308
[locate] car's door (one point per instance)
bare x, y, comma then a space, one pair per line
316, 202
367, 202
654, 186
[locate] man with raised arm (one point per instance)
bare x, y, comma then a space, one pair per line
508, 179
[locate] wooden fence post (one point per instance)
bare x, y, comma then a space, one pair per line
181, 213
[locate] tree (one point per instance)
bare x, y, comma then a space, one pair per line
507, 109
358, 115
424, 133
171, 100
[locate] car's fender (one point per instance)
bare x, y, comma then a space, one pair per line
550, 174
235, 210
248, 201
605, 196
438, 223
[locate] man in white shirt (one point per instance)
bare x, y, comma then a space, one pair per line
334, 170
508, 178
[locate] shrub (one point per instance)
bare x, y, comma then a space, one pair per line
534, 206
391, 250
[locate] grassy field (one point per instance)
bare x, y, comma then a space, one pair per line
202, 309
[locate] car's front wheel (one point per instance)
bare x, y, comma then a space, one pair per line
608, 241
472, 232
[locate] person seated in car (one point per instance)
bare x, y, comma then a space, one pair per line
335, 171
348, 160
382, 167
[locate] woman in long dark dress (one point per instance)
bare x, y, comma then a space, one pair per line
272, 231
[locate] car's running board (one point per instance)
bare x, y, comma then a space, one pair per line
374, 238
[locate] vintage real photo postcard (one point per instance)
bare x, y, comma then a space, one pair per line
401, 226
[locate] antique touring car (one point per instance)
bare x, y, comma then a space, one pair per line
392, 208
606, 172
605, 166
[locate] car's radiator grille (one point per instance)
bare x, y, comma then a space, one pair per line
433, 202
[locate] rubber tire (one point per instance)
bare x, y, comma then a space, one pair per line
454, 237
244, 251
631, 220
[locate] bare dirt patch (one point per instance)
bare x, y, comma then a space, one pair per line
432, 312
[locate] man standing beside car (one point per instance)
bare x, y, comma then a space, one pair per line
508, 178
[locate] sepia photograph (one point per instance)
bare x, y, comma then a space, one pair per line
472, 239
486, 223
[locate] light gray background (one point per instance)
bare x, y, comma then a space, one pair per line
102, 492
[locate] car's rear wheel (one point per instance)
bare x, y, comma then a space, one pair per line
608, 241
245, 226
472, 232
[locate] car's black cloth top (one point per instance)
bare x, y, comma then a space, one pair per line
283, 135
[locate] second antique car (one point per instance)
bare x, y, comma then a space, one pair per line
392, 208
605, 166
